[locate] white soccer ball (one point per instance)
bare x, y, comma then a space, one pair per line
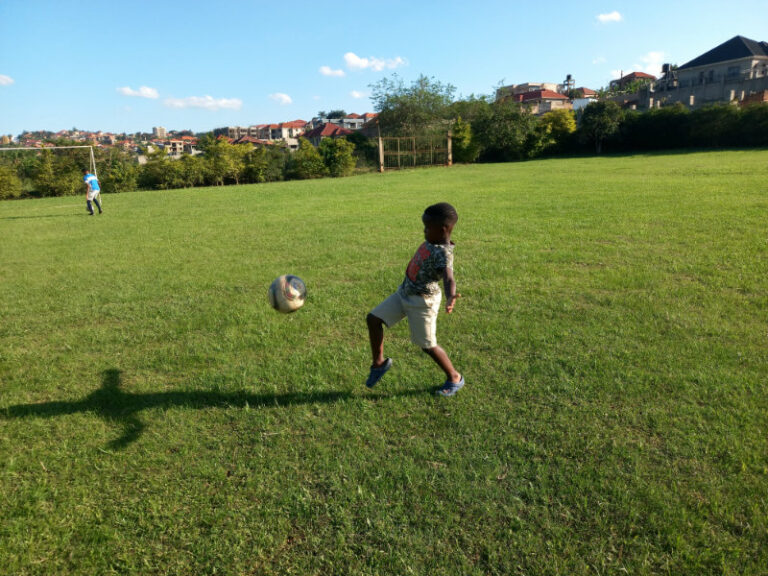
287, 293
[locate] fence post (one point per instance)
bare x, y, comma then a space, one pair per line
450, 148
381, 155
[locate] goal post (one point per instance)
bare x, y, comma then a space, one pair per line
31, 171
92, 158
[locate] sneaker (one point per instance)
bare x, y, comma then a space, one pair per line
450, 388
377, 373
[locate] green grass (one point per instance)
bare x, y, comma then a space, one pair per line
157, 417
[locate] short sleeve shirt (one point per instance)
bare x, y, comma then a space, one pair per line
426, 268
92, 182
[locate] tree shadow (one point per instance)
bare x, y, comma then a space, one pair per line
115, 405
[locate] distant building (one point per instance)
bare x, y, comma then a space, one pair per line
541, 101
631, 78
734, 71
159, 132
328, 130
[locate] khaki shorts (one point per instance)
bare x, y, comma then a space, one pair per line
421, 312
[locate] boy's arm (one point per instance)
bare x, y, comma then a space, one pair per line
449, 287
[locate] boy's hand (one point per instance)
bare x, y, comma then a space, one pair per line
451, 303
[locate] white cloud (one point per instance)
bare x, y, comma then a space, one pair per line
355, 62
357, 94
206, 102
282, 99
142, 92
599, 60
5, 80
328, 71
610, 17
651, 63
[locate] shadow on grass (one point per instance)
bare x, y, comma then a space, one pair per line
68, 215
114, 405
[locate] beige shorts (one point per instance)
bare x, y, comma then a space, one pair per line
421, 312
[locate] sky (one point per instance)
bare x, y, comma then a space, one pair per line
129, 65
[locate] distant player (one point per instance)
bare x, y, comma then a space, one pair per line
93, 191
418, 299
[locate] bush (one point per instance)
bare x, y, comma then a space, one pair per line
338, 156
10, 183
306, 162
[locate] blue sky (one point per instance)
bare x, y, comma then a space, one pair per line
126, 66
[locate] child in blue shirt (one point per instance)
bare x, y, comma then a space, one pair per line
93, 191
418, 298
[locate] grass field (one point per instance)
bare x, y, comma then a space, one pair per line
157, 417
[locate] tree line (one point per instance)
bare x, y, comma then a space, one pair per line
48, 172
483, 130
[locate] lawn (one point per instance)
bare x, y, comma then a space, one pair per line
157, 417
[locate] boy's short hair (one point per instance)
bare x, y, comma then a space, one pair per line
441, 213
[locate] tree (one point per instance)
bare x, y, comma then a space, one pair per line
598, 121
558, 127
464, 147
56, 176
506, 132
366, 149
405, 109
306, 162
333, 114
118, 172
10, 184
338, 156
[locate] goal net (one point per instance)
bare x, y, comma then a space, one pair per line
45, 171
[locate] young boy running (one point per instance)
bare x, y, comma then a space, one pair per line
418, 298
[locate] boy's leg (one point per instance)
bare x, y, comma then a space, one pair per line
98, 204
441, 358
380, 365
376, 336
388, 313
90, 207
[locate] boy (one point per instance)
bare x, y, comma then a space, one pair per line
418, 298
93, 191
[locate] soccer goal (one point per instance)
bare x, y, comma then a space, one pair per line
92, 158
398, 152
45, 171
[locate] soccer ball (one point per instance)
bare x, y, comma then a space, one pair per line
287, 293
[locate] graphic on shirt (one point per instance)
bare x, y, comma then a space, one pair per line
427, 266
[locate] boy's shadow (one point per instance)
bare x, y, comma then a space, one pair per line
114, 405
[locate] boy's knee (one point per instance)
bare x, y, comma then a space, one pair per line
373, 320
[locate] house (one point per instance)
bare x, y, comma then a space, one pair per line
730, 72
255, 142
328, 130
517, 89
542, 101
627, 80
756, 98
350, 121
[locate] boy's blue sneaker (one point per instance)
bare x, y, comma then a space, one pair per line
450, 388
377, 373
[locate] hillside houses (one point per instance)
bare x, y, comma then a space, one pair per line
542, 97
